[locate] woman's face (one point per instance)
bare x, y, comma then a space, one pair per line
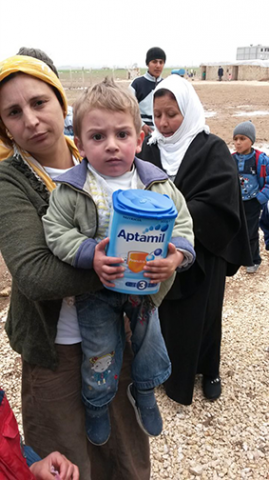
31, 113
167, 116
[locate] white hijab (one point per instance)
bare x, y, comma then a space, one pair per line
172, 149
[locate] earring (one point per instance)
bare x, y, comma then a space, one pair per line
9, 134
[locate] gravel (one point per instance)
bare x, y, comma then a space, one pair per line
225, 439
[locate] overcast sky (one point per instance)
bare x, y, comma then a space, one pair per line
119, 32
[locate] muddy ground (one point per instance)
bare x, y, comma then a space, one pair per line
228, 99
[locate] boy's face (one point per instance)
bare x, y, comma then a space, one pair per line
109, 141
155, 67
242, 144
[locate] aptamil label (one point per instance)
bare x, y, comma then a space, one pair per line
138, 238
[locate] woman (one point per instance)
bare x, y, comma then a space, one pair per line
202, 169
42, 324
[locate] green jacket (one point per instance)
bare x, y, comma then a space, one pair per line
40, 280
72, 218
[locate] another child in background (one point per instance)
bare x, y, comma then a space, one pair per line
68, 122
108, 134
253, 168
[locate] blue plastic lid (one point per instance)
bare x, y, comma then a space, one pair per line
144, 203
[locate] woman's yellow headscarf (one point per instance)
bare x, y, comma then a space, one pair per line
35, 68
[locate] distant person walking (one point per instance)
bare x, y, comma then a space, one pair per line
144, 86
220, 73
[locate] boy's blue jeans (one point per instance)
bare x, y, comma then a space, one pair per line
101, 323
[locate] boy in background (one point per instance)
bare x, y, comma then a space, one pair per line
107, 127
253, 169
143, 86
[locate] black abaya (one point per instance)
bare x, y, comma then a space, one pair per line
192, 331
190, 314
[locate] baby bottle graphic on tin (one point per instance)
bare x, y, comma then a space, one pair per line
141, 227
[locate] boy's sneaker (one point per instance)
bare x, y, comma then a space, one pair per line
253, 268
146, 410
97, 425
211, 387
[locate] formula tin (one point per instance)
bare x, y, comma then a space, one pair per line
141, 227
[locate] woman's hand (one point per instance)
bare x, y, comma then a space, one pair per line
55, 467
160, 270
105, 266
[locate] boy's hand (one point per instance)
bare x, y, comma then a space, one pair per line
105, 266
160, 270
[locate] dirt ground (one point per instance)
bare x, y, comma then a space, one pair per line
226, 99
230, 98
227, 439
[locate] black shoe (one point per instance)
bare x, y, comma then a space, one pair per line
211, 387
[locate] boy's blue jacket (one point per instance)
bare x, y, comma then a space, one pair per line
253, 172
71, 221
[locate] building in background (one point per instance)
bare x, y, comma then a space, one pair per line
238, 70
253, 52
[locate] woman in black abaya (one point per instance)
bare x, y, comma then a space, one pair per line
202, 168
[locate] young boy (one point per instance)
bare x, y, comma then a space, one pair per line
107, 128
253, 168
144, 86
